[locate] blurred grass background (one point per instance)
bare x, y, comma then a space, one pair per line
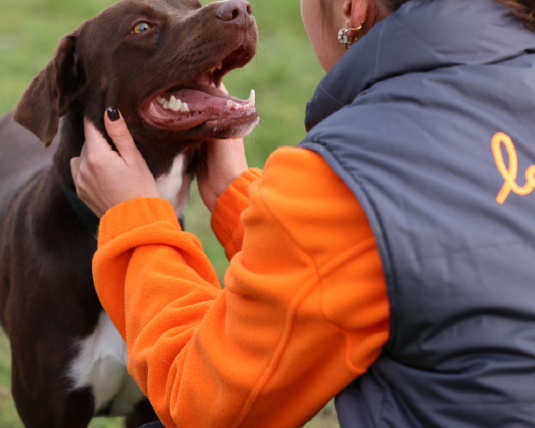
284, 75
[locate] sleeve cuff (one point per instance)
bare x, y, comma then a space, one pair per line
228, 208
132, 214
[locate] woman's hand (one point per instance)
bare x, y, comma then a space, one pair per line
105, 178
222, 162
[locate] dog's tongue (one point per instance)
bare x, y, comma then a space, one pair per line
198, 100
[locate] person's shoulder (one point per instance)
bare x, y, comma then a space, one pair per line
296, 175
295, 162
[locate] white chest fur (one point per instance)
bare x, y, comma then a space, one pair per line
174, 185
101, 365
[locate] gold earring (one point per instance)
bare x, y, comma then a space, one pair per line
345, 39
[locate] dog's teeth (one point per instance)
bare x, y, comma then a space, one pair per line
235, 106
175, 104
216, 67
172, 102
252, 97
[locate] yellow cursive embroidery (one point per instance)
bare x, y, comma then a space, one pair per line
510, 173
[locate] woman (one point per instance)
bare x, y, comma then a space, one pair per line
388, 260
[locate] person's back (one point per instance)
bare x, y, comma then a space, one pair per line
443, 108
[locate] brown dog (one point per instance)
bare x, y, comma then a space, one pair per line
161, 63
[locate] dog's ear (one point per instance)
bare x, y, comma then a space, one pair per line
51, 93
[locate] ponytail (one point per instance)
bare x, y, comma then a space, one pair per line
524, 10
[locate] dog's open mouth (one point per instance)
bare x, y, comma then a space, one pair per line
201, 100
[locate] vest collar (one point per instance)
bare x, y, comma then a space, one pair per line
422, 36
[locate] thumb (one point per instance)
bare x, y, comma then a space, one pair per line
75, 168
120, 135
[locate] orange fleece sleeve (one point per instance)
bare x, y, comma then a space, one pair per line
226, 222
304, 311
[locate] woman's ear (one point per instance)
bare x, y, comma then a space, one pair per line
355, 12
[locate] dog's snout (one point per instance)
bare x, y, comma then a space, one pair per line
235, 10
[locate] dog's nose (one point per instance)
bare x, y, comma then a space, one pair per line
234, 10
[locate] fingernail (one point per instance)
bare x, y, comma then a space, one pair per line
113, 113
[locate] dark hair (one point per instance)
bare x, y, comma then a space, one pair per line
524, 10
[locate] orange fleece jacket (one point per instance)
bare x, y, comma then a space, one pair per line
304, 312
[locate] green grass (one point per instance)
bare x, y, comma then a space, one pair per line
284, 74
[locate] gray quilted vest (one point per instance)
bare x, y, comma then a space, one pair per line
430, 121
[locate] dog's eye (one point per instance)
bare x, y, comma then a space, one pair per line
141, 27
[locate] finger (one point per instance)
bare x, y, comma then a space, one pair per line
95, 141
75, 168
83, 153
120, 135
